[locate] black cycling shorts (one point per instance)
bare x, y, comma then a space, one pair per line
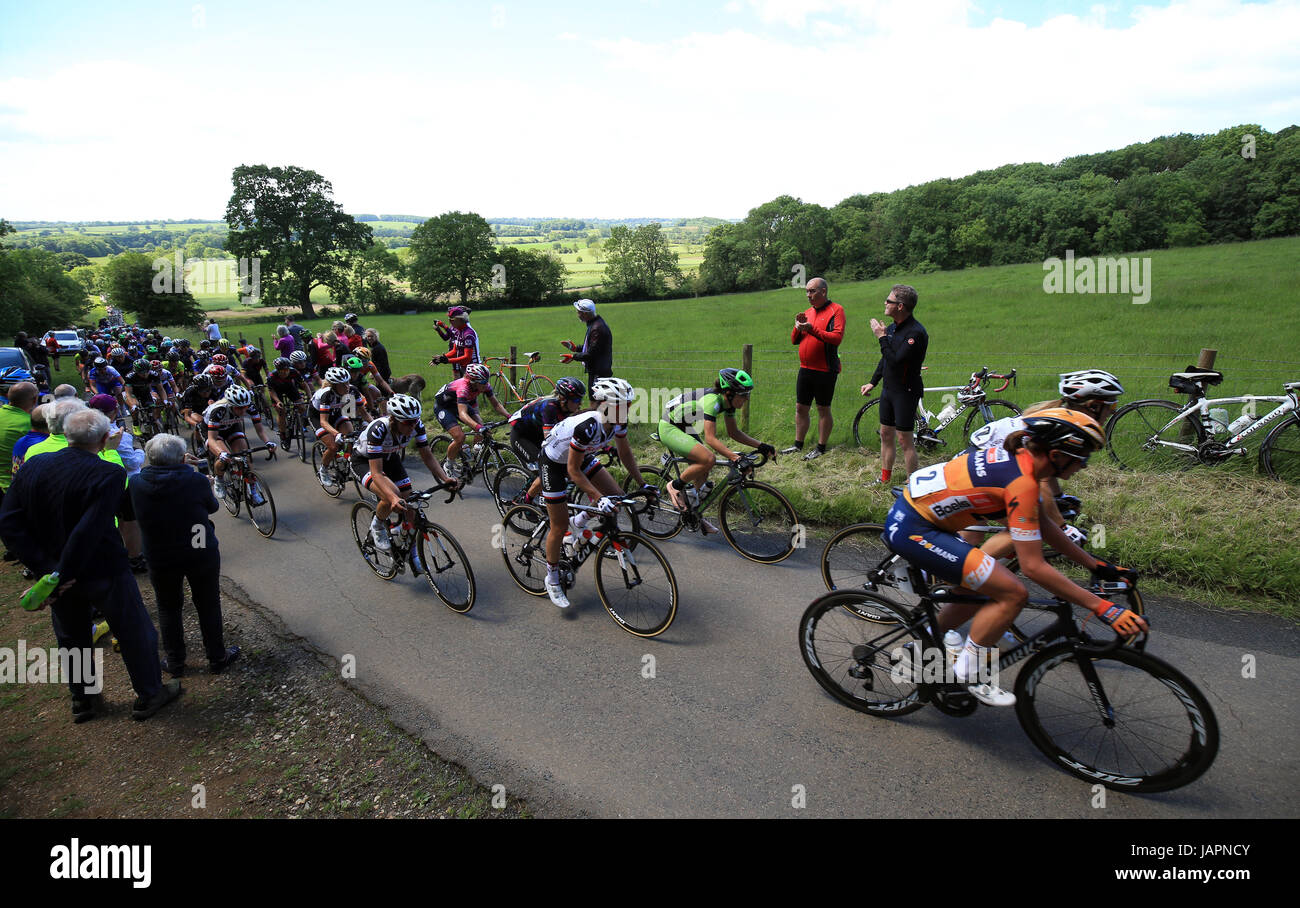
393, 469
813, 385
555, 476
525, 448
898, 409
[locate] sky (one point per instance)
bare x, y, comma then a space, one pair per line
634, 108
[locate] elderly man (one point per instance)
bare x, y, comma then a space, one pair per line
58, 517
597, 351
63, 391
818, 332
172, 503
15, 422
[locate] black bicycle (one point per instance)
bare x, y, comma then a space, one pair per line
633, 578
298, 429
483, 458
418, 543
244, 487
1102, 711
339, 472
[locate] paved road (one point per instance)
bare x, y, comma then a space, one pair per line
556, 708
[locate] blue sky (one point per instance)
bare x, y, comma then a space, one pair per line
142, 109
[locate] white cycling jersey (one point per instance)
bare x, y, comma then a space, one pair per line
381, 439
995, 433
583, 431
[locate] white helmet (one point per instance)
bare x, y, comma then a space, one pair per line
337, 375
404, 406
298, 357
477, 373
239, 396
612, 389
1090, 384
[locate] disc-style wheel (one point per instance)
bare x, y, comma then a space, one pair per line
636, 585
1140, 437
759, 523
1125, 719
382, 563
861, 663
263, 514
447, 568
523, 546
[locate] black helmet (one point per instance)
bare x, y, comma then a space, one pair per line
570, 388
735, 380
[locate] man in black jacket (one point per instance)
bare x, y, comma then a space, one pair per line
597, 351
58, 516
902, 352
172, 503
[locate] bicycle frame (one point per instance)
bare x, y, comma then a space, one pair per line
975, 386
503, 366
1286, 404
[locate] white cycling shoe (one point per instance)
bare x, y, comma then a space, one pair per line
556, 592
991, 695
379, 534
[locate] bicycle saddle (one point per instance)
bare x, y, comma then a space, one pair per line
1209, 376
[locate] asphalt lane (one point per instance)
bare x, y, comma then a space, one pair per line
559, 709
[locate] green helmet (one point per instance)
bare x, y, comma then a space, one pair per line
735, 380
354, 362
141, 365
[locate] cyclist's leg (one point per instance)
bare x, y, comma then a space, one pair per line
457, 442
385, 488
702, 461
555, 488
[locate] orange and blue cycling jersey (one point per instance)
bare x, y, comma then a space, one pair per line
940, 500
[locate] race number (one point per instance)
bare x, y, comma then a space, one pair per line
927, 482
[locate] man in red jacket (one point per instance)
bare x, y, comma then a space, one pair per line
818, 331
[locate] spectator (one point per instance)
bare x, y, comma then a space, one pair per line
902, 353
597, 352
352, 337
40, 361
213, 332
15, 422
326, 346
172, 503
818, 332
462, 341
351, 319
63, 391
58, 516
301, 336
52, 348
284, 343
132, 458
40, 431
379, 354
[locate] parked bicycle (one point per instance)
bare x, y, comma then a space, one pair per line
633, 578
531, 384
1161, 436
756, 519
425, 547
972, 398
1101, 711
244, 487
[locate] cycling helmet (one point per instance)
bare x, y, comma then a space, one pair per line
337, 375
363, 352
155, 364
116, 353
13, 374
220, 359
477, 373
151, 350
223, 343
570, 388
239, 396
298, 357
203, 381
166, 341
1090, 384
281, 362
404, 406
99, 362
251, 351
218, 372
140, 365
204, 344
735, 380
353, 362
350, 317
612, 389
1065, 430
173, 353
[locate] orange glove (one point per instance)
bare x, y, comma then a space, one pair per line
1126, 623
566, 357
569, 345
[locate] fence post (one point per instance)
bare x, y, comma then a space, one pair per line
746, 363
514, 358
1204, 361
261, 345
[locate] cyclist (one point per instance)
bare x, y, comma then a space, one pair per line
462, 341
285, 383
254, 365
456, 402
143, 388
225, 424
569, 453
1090, 391
195, 401
104, 379
175, 366
1001, 483
370, 369
530, 424
358, 374
334, 406
688, 429
377, 463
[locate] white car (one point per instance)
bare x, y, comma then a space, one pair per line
68, 341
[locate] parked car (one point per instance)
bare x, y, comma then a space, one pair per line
69, 341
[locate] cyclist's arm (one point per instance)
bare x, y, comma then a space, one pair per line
431, 463
710, 437
734, 431
215, 444
1035, 567
629, 461
1054, 536
462, 410
1048, 512
500, 408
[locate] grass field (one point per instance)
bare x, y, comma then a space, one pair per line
1196, 528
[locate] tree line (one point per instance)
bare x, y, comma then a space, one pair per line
1182, 190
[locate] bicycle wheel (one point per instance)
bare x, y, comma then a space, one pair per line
659, 519
997, 409
439, 445
759, 523
509, 486
853, 556
382, 563
262, 515
1279, 456
523, 546
866, 427
636, 584
304, 434
856, 661
333, 488
491, 463
499, 387
539, 386
1159, 732
1140, 437
234, 490
447, 568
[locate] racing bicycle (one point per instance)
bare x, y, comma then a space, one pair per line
531, 385
485, 457
244, 487
339, 471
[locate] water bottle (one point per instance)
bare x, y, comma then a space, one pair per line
953, 644
1240, 423
1219, 420
478, 446
946, 413
706, 489
40, 591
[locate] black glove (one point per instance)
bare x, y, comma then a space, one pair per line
1069, 506
766, 450
1113, 572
